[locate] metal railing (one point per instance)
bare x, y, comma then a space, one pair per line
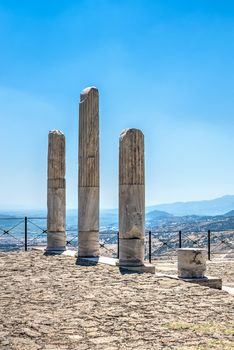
20, 233
163, 243
24, 232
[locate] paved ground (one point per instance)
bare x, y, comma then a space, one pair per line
49, 302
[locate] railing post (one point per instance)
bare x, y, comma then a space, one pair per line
180, 239
208, 244
25, 233
150, 247
118, 245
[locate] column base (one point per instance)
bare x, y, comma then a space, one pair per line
145, 268
56, 242
131, 252
88, 244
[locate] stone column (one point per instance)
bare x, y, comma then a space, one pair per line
88, 189
56, 196
131, 198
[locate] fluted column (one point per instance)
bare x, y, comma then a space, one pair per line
88, 189
56, 192
131, 198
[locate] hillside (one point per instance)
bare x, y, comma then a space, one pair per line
158, 214
217, 206
230, 213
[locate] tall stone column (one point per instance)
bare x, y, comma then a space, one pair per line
88, 189
131, 198
56, 193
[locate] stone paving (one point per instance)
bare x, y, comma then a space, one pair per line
51, 303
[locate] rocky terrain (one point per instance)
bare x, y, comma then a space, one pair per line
51, 303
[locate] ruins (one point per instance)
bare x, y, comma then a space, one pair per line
191, 262
88, 178
132, 200
192, 267
56, 192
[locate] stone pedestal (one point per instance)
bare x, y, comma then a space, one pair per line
131, 200
191, 262
88, 184
56, 193
192, 267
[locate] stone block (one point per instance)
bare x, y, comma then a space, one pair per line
88, 245
191, 262
56, 241
131, 252
132, 211
88, 211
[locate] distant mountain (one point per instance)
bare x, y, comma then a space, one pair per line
158, 214
230, 213
6, 216
218, 206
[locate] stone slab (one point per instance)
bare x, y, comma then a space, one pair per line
229, 290
146, 268
67, 252
101, 260
207, 281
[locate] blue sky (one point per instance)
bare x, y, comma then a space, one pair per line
163, 66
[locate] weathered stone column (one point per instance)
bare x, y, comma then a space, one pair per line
88, 190
56, 192
131, 198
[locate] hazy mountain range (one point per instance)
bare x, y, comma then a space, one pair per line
218, 206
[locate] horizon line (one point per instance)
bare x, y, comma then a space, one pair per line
102, 208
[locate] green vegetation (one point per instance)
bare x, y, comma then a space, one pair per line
206, 328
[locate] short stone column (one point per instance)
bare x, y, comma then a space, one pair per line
131, 198
191, 262
88, 182
56, 193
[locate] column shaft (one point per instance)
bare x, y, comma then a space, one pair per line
56, 192
131, 198
88, 189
